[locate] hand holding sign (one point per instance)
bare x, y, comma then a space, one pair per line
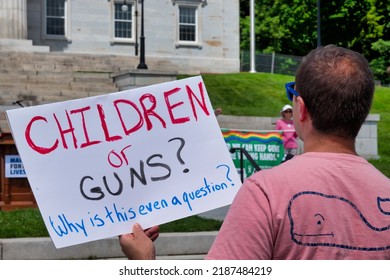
101, 164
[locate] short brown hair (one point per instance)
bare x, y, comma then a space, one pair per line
337, 87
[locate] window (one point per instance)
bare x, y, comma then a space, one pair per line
123, 21
187, 24
55, 17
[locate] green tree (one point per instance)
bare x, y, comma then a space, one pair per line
282, 27
353, 24
290, 27
381, 64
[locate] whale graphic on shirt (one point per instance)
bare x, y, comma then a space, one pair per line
316, 228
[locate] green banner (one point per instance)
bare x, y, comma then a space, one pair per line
265, 148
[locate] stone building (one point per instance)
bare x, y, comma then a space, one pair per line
187, 36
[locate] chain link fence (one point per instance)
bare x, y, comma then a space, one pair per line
276, 64
271, 63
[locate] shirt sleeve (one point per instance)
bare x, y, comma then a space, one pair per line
277, 125
246, 232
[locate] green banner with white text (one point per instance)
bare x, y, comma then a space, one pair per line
265, 148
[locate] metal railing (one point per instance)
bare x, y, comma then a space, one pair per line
250, 159
271, 63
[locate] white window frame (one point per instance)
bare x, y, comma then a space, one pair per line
66, 17
196, 5
133, 5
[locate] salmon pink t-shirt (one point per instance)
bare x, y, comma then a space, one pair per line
314, 206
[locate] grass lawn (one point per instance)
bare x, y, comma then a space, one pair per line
243, 94
381, 106
29, 223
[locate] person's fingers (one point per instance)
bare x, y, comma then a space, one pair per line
138, 245
138, 231
154, 236
153, 232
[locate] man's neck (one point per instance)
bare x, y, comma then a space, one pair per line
329, 144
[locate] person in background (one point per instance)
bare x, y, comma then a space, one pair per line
327, 203
218, 111
286, 125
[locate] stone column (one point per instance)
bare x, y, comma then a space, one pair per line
13, 19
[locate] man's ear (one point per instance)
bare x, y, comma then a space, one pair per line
303, 113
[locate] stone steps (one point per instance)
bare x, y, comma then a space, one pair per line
57, 62
41, 77
37, 78
59, 86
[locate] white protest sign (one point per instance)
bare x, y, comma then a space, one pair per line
14, 167
150, 155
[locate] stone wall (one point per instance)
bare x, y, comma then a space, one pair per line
366, 141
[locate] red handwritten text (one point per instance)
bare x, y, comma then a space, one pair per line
145, 110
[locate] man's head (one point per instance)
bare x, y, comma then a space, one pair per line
337, 87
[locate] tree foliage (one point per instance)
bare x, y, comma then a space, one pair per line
381, 64
290, 27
